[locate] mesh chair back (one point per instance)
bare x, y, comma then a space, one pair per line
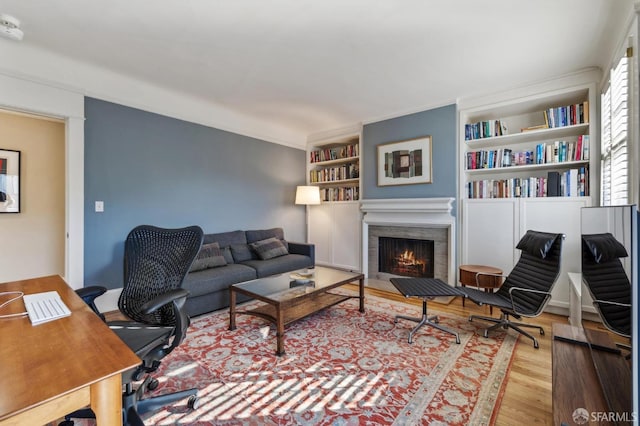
156, 260
534, 273
608, 281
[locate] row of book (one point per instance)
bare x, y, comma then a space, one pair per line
342, 193
569, 115
544, 153
570, 183
336, 153
563, 116
485, 129
332, 174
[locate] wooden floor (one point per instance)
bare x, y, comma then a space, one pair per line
528, 389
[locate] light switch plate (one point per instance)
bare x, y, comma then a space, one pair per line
99, 206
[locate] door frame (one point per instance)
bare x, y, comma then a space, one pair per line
44, 99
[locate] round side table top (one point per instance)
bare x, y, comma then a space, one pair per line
468, 276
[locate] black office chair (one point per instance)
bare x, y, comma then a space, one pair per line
527, 289
156, 260
607, 281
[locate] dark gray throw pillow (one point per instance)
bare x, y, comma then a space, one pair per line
269, 248
209, 256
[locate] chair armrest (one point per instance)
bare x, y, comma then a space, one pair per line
611, 302
304, 249
91, 292
164, 299
89, 295
489, 275
527, 290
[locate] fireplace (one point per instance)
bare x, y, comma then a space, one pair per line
406, 257
422, 219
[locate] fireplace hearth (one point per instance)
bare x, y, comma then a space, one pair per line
406, 257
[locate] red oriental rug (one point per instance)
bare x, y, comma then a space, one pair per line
341, 368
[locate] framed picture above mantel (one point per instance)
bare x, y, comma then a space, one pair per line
405, 162
9, 181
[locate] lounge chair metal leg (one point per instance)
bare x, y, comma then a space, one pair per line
504, 322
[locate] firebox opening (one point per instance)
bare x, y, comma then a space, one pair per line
406, 257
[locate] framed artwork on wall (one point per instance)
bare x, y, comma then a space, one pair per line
405, 162
9, 181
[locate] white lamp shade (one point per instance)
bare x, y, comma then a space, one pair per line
307, 195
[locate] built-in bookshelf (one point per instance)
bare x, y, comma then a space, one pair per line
334, 226
537, 146
334, 166
528, 159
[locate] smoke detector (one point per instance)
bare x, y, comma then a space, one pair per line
10, 27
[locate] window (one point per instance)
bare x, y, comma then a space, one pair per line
614, 137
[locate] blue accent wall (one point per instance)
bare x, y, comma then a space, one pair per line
156, 170
440, 124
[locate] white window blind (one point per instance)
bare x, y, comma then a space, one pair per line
614, 137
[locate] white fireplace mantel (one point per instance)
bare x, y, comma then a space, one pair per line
420, 212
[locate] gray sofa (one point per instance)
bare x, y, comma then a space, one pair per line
240, 256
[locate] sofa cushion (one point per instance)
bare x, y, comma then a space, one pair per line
279, 265
262, 234
209, 256
269, 248
225, 239
242, 252
217, 279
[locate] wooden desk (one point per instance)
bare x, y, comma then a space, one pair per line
575, 379
52, 369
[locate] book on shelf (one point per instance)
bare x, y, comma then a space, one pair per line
563, 116
568, 115
485, 129
544, 153
343, 193
332, 174
570, 183
334, 153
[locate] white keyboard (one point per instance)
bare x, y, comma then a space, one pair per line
46, 306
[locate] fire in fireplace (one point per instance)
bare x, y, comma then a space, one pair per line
406, 257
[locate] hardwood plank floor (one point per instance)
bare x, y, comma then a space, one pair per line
527, 396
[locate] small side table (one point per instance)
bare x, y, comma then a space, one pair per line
468, 274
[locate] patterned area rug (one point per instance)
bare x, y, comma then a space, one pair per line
341, 368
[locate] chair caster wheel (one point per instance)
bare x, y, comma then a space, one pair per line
541, 332
535, 345
66, 423
194, 402
152, 385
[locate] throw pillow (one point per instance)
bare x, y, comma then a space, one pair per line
209, 256
269, 248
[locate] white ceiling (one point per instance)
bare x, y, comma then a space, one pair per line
309, 66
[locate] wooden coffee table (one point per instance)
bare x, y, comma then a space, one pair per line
286, 301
